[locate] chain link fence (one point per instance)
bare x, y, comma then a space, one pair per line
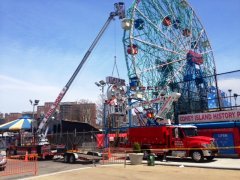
221, 94
88, 141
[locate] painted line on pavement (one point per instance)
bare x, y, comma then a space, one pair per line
70, 170
50, 174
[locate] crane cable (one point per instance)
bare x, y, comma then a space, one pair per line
115, 52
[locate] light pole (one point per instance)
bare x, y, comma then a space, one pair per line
33, 103
230, 93
102, 84
235, 95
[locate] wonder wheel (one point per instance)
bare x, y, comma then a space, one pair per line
167, 50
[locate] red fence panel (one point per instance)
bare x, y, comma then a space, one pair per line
114, 156
20, 164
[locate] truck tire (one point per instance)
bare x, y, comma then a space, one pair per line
210, 158
197, 156
72, 159
66, 158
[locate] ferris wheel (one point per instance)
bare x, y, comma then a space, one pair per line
167, 50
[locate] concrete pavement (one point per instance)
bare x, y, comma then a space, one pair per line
177, 169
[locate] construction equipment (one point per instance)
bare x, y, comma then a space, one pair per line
43, 129
41, 145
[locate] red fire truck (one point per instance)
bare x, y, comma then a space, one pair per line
173, 140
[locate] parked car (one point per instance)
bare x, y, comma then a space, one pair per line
3, 158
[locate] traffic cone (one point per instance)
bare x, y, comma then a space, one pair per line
26, 156
109, 153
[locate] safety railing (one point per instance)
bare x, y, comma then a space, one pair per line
20, 164
121, 155
114, 156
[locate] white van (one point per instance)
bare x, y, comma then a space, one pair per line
3, 158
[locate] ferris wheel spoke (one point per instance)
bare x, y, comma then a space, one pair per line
189, 42
206, 52
159, 30
156, 46
171, 13
158, 8
198, 39
162, 65
180, 70
176, 37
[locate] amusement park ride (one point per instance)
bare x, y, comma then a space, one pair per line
168, 57
169, 60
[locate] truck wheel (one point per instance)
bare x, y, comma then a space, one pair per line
66, 158
197, 156
72, 159
210, 158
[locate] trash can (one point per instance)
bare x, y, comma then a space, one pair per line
151, 160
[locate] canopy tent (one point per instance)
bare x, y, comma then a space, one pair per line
23, 123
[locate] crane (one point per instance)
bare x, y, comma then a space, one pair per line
119, 10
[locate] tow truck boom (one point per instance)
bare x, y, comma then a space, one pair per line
119, 11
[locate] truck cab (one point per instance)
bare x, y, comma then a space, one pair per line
186, 139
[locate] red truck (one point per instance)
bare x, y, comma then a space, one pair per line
173, 140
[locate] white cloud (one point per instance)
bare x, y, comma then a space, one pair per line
231, 83
15, 93
10, 83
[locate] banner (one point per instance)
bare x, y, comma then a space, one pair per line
233, 115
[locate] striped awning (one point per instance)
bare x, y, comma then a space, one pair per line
22, 123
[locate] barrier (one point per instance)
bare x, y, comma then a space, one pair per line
20, 164
114, 156
120, 155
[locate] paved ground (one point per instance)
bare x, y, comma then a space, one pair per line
177, 169
143, 172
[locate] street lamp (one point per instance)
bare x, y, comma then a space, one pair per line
101, 84
230, 91
33, 103
235, 95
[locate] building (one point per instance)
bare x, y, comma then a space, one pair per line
40, 111
12, 116
71, 111
79, 112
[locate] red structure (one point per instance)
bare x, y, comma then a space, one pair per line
195, 57
227, 135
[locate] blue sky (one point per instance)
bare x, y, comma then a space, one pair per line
43, 41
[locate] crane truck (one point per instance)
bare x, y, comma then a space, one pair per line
41, 145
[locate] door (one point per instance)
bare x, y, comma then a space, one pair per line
177, 138
225, 140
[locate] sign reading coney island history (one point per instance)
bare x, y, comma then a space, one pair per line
233, 115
